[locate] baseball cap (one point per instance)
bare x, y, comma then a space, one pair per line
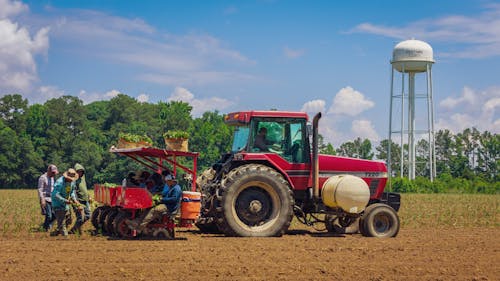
53, 169
170, 177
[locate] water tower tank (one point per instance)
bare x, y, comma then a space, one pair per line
412, 56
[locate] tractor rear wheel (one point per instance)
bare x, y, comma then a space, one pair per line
255, 201
121, 228
379, 220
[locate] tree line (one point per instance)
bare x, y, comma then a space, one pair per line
64, 131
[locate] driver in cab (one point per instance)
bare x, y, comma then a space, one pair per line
262, 143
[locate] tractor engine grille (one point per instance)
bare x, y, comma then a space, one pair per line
373, 186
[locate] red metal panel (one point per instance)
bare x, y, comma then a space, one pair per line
246, 116
136, 198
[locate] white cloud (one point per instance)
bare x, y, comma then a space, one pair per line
87, 97
346, 105
467, 97
293, 53
143, 98
111, 94
170, 59
314, 106
199, 105
194, 78
11, 8
365, 130
479, 34
17, 56
473, 108
49, 92
349, 102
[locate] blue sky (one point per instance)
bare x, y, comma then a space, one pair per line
238, 55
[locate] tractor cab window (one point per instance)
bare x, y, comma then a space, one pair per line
283, 136
240, 138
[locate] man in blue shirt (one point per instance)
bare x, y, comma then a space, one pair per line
170, 203
62, 196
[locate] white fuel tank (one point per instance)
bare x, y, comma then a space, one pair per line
347, 192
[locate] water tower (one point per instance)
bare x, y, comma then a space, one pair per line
412, 60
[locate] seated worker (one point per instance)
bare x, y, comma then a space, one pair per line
260, 140
170, 203
130, 180
142, 177
158, 184
263, 144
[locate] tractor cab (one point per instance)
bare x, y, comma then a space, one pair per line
283, 135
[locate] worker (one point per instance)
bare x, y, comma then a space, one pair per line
158, 183
260, 140
45, 187
142, 178
263, 144
170, 203
63, 195
82, 211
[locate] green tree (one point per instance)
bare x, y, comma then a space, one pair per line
325, 148
10, 157
382, 150
12, 109
211, 137
358, 149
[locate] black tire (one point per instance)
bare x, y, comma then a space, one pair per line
333, 226
102, 217
121, 228
161, 234
95, 217
108, 221
379, 220
256, 201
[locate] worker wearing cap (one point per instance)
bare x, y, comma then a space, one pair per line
82, 211
63, 195
170, 202
45, 187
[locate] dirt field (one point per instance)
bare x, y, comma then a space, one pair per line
416, 254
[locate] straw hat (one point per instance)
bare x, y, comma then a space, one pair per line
71, 174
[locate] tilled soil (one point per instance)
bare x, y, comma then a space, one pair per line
416, 254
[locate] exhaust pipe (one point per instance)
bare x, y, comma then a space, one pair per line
315, 162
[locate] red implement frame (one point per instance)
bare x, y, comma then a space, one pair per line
155, 158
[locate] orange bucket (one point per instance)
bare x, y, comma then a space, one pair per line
190, 205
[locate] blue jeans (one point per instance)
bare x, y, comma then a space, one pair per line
49, 216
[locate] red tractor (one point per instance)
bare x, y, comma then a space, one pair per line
274, 172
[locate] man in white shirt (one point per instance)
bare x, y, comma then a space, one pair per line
45, 187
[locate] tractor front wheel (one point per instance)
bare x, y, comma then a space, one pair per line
379, 220
256, 201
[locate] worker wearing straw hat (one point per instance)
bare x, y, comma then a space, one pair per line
63, 195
